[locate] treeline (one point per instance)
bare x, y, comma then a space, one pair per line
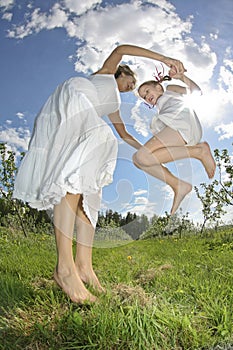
134, 225
41, 221
18, 215
140, 226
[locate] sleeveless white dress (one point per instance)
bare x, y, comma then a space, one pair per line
72, 149
175, 113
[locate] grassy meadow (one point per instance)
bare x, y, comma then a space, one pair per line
162, 294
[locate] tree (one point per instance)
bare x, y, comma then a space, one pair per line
168, 225
212, 208
8, 170
144, 222
14, 212
219, 193
224, 165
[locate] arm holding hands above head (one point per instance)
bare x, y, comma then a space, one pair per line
119, 125
174, 65
111, 63
191, 85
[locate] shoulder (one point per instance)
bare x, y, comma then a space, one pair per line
103, 78
105, 70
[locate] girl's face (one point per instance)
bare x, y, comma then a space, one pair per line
150, 93
125, 83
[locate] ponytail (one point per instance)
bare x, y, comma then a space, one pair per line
165, 78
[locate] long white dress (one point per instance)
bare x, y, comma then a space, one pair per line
72, 148
174, 112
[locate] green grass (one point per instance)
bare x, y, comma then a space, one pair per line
162, 294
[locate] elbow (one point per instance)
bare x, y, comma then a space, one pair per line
123, 133
199, 91
124, 138
120, 49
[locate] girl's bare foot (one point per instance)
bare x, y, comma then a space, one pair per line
72, 285
182, 190
89, 277
207, 159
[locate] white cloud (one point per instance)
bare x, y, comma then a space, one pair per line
79, 7
38, 21
158, 27
141, 200
226, 80
226, 131
140, 192
16, 137
214, 36
7, 16
168, 192
148, 208
141, 122
154, 25
6, 4
20, 115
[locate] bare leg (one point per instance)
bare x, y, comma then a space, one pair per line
65, 273
168, 146
201, 152
83, 259
179, 187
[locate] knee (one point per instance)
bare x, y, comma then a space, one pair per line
140, 159
135, 160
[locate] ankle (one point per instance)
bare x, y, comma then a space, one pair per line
83, 269
64, 269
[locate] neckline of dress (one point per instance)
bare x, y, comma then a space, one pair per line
106, 75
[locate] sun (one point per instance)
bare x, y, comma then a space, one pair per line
206, 106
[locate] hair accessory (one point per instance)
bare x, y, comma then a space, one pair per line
160, 77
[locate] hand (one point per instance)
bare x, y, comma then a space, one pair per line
176, 66
174, 75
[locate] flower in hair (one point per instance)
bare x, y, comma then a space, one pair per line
160, 77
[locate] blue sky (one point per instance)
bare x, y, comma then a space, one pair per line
45, 42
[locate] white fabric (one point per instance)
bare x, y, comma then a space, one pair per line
175, 113
72, 149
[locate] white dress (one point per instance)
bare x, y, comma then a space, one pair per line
72, 149
175, 113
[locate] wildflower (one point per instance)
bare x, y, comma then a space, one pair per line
129, 257
180, 291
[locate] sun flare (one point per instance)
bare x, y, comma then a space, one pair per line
207, 106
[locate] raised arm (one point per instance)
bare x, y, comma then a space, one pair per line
121, 130
191, 85
112, 62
